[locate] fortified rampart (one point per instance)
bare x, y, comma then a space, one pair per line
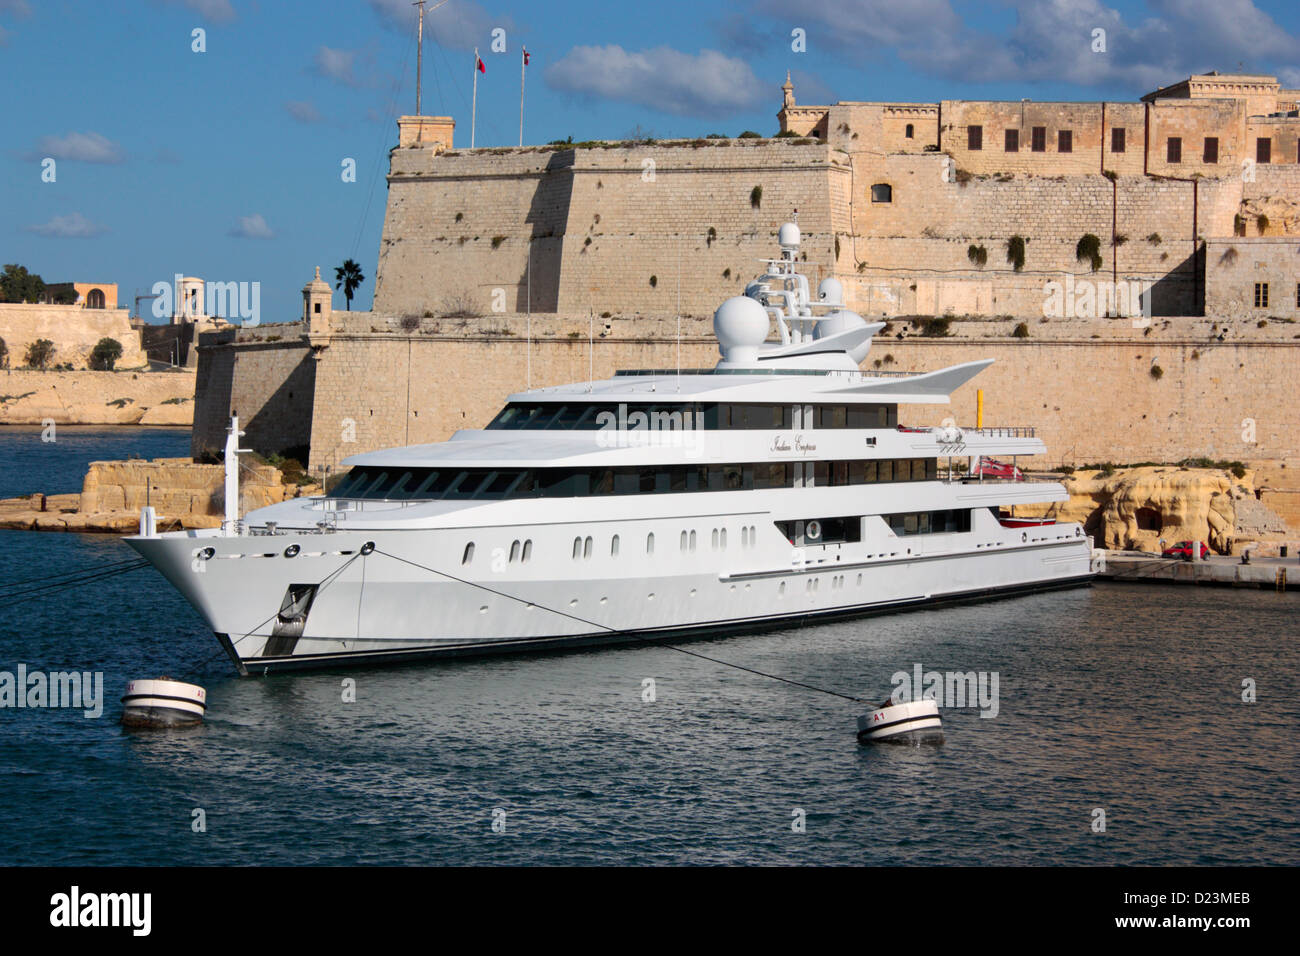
957, 209
74, 330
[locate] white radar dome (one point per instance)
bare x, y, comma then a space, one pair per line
842, 320
830, 292
788, 237
741, 325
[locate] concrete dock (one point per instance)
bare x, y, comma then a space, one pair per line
1273, 574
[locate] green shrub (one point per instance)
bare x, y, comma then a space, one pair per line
105, 354
1016, 252
1088, 250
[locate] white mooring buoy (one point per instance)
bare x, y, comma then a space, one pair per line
163, 703
914, 722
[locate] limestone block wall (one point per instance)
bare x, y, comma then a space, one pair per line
1096, 400
73, 330
1238, 265
599, 223
921, 238
267, 376
1091, 139
175, 486
641, 218
1088, 387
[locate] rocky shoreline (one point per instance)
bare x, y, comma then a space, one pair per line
184, 495
30, 397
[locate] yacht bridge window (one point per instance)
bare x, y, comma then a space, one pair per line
379, 482
587, 416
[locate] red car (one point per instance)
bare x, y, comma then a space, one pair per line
1185, 549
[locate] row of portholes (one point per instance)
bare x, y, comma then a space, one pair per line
813, 585
521, 551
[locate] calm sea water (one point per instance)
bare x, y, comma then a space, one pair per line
1125, 698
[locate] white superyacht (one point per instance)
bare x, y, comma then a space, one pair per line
775, 489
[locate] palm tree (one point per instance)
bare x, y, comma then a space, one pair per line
349, 277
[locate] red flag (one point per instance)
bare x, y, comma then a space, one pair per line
525, 56
481, 67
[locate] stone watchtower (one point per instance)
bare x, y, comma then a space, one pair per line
317, 306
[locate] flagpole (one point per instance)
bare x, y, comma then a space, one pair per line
473, 110
523, 66
419, 56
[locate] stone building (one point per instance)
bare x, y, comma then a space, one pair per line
496, 267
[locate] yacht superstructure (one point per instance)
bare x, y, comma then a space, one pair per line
776, 488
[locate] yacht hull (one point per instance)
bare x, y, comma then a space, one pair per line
405, 600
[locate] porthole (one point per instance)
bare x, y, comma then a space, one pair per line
292, 551
468, 556
586, 548
577, 548
613, 547
514, 551
528, 550
650, 543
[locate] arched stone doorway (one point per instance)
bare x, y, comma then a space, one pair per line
95, 299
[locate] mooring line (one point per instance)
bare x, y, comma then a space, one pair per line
615, 630
325, 582
31, 594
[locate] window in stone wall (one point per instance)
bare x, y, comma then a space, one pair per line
1065, 141
910, 131
1211, 154
882, 192
1038, 139
1117, 140
974, 138
1261, 295
1174, 149
1012, 142
1263, 149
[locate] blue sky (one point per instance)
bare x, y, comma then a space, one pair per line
226, 164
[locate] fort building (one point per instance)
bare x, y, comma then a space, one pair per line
503, 267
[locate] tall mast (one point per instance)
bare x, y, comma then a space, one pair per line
419, 56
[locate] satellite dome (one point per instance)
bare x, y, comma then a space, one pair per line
831, 292
842, 320
741, 325
788, 237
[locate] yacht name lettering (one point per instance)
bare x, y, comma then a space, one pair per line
799, 444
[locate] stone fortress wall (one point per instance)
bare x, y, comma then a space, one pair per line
475, 240
74, 330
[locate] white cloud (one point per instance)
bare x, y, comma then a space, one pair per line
72, 226
80, 147
218, 11
1051, 40
303, 111
707, 84
252, 227
461, 24
336, 64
